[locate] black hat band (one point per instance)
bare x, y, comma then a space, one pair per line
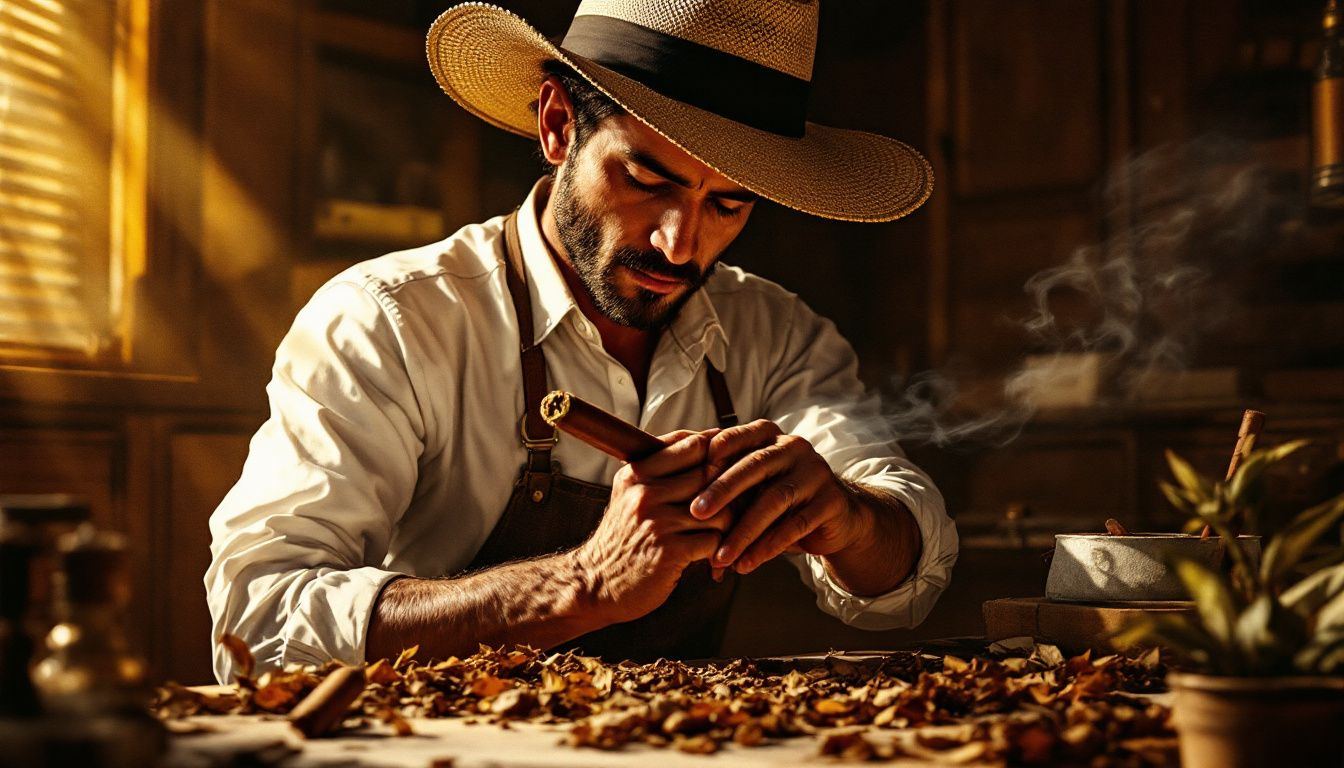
694, 74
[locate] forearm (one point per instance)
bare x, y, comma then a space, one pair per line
541, 602
885, 551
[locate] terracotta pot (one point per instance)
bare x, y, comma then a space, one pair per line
1099, 568
1252, 722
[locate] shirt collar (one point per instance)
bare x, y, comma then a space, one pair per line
551, 299
695, 333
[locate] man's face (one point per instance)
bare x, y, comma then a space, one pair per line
643, 222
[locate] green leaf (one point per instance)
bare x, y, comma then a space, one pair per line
1308, 595
1243, 569
1213, 600
1181, 500
1331, 615
1246, 480
1175, 632
1189, 479
1253, 634
1324, 655
1268, 635
1212, 510
1193, 526
1288, 547
1324, 560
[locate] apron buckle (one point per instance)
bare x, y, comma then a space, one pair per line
534, 444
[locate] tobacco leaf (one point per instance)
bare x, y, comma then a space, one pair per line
952, 709
242, 655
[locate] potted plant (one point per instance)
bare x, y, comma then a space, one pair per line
1265, 644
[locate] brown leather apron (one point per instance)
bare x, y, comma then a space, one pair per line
550, 512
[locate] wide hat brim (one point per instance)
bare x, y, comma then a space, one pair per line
490, 60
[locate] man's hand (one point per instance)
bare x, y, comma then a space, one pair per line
793, 502
633, 560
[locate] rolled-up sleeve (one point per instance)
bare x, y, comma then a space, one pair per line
297, 544
815, 392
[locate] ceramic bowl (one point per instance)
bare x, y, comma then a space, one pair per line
1098, 568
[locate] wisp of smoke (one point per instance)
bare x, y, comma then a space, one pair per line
1139, 301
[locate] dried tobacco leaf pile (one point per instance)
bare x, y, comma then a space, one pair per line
1042, 709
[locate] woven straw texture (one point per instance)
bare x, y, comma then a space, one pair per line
780, 34
490, 61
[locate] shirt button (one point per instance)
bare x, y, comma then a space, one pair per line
620, 381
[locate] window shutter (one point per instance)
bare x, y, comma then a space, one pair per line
56, 78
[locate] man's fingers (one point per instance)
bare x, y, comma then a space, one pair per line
684, 453
676, 489
673, 518
783, 534
675, 436
770, 504
691, 547
748, 472
732, 442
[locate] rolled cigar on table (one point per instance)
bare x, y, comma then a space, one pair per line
596, 427
322, 711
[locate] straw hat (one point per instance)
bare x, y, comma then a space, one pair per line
725, 80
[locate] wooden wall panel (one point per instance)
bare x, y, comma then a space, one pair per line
995, 250
1043, 473
85, 463
203, 468
1027, 94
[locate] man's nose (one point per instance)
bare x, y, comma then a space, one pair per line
677, 235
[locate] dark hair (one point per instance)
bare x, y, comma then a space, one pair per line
591, 106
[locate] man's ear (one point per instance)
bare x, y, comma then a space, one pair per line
555, 121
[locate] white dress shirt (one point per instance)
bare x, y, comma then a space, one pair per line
392, 445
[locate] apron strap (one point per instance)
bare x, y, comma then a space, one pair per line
723, 402
538, 437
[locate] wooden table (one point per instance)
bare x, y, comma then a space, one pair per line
259, 740
522, 745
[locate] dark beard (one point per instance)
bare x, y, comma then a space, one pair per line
581, 234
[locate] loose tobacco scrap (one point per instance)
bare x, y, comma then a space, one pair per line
1041, 709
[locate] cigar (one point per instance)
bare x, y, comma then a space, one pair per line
603, 431
322, 711
596, 427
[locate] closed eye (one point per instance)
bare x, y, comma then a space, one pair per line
726, 211
642, 186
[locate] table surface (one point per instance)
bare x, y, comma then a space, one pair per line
522, 745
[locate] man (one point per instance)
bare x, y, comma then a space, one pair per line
382, 504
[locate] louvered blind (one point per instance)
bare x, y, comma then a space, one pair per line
55, 85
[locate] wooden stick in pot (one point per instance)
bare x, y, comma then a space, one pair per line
1252, 423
